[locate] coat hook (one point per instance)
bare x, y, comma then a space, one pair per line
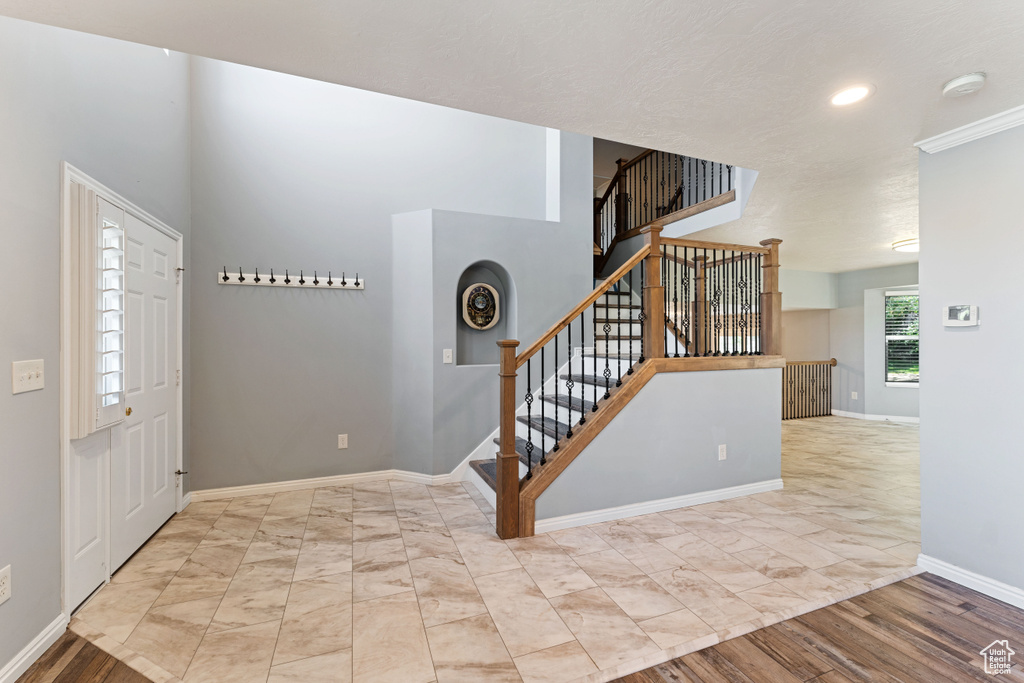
241, 278
272, 280
302, 278
343, 283
315, 280
287, 280
357, 279
329, 281
225, 278
257, 278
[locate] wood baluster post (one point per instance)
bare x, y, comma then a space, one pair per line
771, 301
654, 295
621, 199
700, 295
507, 460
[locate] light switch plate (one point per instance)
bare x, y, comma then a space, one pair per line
26, 375
342, 441
446, 356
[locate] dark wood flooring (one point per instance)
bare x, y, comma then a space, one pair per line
73, 659
922, 629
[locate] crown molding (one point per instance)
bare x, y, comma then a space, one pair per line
973, 131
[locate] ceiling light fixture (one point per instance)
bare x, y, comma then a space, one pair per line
852, 94
964, 85
911, 245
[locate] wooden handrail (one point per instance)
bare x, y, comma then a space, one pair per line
622, 169
717, 246
833, 362
638, 158
582, 306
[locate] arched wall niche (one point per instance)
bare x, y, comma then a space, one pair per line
479, 347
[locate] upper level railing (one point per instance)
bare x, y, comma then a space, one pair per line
673, 299
654, 185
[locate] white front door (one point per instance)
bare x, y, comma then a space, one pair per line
143, 449
86, 532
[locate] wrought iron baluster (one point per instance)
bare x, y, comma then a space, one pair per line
568, 379
757, 300
618, 327
583, 368
643, 315
728, 170
543, 403
629, 277
529, 419
675, 299
733, 310
664, 290
555, 382
607, 332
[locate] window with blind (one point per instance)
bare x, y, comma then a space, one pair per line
901, 338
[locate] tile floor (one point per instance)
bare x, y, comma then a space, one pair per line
392, 581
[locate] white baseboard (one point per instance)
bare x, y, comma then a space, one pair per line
185, 500
338, 480
982, 584
34, 650
881, 418
609, 514
471, 476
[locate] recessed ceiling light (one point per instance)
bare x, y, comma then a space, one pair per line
964, 85
907, 245
850, 95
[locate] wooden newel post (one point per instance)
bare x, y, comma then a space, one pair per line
771, 301
654, 296
507, 460
597, 223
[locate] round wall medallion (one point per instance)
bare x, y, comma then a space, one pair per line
480, 306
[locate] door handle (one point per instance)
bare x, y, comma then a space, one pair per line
129, 411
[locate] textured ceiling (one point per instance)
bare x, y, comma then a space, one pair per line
740, 81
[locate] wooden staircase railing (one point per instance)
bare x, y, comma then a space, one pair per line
674, 306
655, 187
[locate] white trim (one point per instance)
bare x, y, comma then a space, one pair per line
973, 131
982, 584
185, 500
338, 480
647, 507
880, 418
34, 650
903, 385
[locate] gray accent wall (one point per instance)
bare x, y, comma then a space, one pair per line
856, 334
119, 112
629, 462
296, 173
444, 411
972, 469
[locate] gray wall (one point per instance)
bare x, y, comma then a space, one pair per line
296, 173
119, 112
805, 335
550, 265
631, 462
971, 465
804, 289
849, 327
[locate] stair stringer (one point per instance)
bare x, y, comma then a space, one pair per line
544, 475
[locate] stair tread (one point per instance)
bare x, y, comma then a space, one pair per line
488, 471
577, 403
521, 450
550, 425
592, 379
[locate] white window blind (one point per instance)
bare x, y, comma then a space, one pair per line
902, 338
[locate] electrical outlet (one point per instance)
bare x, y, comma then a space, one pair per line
853, 395
5, 584
447, 356
721, 451
342, 441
